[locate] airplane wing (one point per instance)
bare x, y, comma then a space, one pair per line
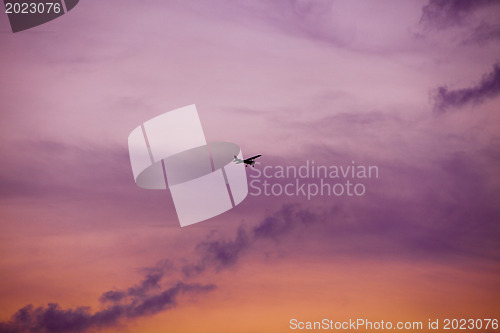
252, 158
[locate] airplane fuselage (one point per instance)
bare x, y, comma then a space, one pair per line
248, 161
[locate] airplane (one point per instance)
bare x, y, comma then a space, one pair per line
248, 161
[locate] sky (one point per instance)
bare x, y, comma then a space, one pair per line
412, 88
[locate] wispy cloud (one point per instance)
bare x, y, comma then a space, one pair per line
483, 33
488, 87
46, 168
52, 318
443, 14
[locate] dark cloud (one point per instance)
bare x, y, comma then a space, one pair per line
222, 253
53, 318
150, 282
287, 219
113, 296
148, 297
483, 33
165, 300
442, 14
489, 87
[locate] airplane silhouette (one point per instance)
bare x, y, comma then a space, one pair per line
248, 161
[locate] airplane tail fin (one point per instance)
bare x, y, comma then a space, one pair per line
237, 160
